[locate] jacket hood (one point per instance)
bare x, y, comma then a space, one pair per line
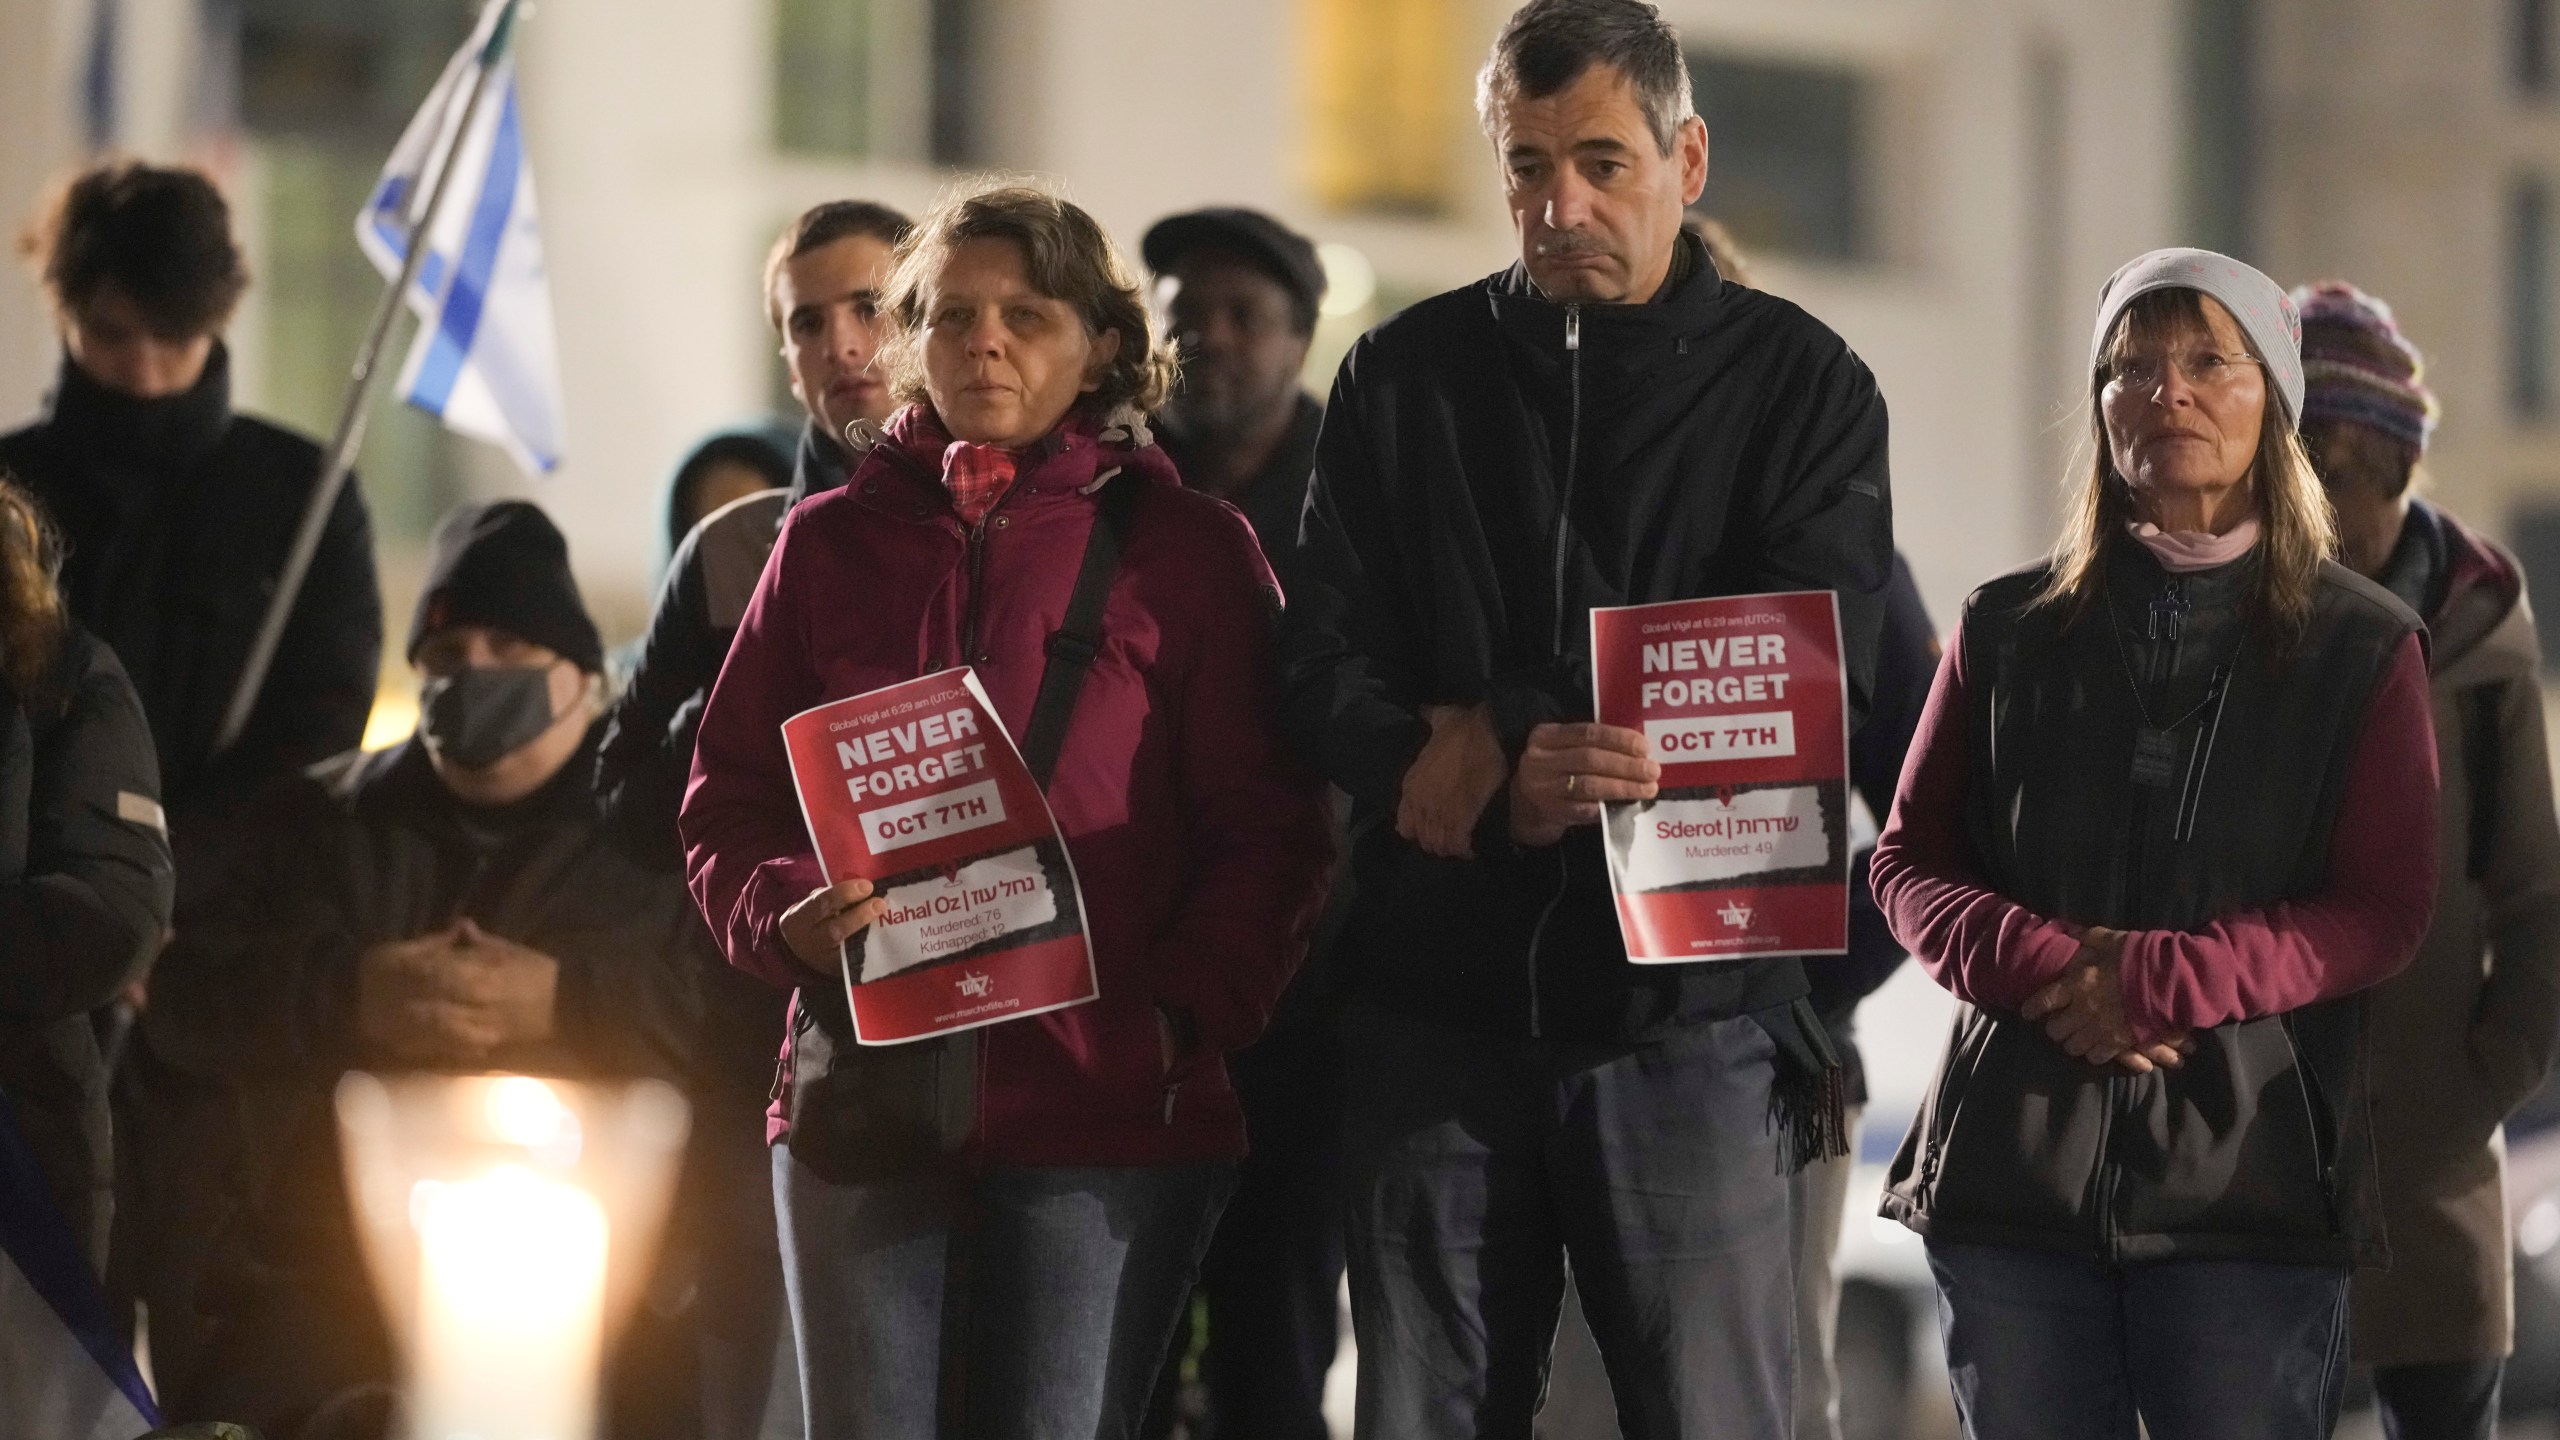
143, 440
2482, 631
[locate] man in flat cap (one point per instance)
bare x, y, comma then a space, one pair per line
1239, 293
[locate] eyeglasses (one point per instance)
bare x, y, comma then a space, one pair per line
2203, 369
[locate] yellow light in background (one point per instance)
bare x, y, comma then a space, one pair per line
1385, 93
393, 719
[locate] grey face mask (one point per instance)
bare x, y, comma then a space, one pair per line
477, 717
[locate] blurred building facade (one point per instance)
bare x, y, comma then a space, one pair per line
1946, 182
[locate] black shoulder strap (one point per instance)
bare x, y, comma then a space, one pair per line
1075, 643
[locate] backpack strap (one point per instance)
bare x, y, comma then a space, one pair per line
1077, 641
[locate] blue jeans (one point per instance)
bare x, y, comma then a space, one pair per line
1071, 1280
1476, 1165
2045, 1343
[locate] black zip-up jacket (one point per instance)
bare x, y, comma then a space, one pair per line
1717, 441
2259, 1146
85, 886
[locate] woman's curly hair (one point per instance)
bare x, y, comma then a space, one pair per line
32, 622
1067, 256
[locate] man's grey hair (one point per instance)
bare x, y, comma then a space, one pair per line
1548, 44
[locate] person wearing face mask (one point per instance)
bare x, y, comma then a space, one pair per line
1018, 1242
450, 903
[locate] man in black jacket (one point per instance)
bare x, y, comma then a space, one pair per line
1608, 422
451, 903
177, 509
177, 513
1239, 293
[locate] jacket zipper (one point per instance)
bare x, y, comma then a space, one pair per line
977, 562
2323, 1169
1564, 531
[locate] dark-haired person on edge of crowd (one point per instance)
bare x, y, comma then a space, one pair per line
822, 283
450, 903
1239, 292
85, 878
176, 513
2171, 809
2462, 1037
1607, 422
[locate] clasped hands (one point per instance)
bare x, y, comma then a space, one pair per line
1566, 773
455, 995
2083, 1011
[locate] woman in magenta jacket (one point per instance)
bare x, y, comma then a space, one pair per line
1100, 1138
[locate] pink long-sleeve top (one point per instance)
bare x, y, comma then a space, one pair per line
2359, 930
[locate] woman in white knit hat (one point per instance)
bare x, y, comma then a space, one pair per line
2171, 807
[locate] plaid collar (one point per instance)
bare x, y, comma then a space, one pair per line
978, 477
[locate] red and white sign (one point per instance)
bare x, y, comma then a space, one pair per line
918, 789
1745, 852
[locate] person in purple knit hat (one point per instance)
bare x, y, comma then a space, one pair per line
2464, 1035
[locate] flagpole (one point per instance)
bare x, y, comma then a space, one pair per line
351, 414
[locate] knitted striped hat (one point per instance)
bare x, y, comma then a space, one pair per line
2357, 366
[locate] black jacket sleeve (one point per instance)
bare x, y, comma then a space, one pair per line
1351, 697
319, 693
647, 752
1906, 663
1825, 507
94, 903
260, 971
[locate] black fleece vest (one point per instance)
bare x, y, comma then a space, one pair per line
2258, 1147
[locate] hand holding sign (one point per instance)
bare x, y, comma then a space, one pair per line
1719, 775
818, 926
954, 901
1568, 771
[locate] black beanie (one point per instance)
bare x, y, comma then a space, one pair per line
503, 564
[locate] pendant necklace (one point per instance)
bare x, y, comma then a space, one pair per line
2155, 746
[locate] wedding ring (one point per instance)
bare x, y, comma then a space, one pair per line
1573, 782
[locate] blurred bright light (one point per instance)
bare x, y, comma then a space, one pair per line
510, 1249
1350, 281
2539, 1230
524, 1111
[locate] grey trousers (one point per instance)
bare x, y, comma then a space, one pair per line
1474, 1165
1821, 1192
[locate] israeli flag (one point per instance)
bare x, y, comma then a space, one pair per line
484, 361
63, 1369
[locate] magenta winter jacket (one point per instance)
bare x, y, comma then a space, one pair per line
1201, 845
